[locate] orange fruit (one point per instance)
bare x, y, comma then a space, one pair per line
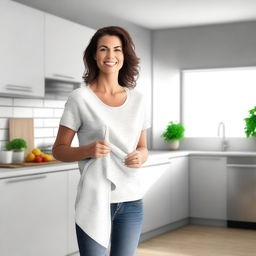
37, 151
48, 157
30, 157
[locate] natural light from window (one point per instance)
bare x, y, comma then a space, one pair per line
211, 96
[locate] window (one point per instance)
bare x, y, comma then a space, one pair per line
211, 96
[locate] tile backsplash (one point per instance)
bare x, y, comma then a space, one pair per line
46, 114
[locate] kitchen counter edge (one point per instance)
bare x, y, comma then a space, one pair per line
155, 157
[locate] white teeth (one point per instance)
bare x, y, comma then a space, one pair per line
110, 63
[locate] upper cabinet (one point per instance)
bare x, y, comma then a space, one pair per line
65, 42
21, 50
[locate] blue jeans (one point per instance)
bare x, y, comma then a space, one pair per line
127, 220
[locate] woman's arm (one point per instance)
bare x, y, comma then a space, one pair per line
140, 155
64, 152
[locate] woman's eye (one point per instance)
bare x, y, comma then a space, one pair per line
102, 49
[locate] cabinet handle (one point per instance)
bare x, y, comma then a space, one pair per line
36, 177
13, 87
241, 165
206, 158
64, 76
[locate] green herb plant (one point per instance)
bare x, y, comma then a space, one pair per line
17, 145
174, 131
250, 123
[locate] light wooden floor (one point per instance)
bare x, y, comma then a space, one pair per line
194, 240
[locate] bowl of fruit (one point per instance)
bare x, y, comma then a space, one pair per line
38, 156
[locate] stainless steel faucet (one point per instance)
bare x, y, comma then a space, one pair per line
224, 143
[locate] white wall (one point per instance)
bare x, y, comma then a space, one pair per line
224, 45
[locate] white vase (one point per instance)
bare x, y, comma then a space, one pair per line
18, 157
174, 144
6, 156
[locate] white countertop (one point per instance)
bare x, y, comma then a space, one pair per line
155, 157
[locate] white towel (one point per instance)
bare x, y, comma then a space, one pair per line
93, 212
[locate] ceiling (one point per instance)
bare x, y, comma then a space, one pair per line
154, 14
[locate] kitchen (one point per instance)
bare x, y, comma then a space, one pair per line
164, 52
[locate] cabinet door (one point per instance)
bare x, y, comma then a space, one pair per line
33, 215
65, 42
156, 181
73, 179
21, 50
179, 188
208, 186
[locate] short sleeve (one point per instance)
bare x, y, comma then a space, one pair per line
71, 115
146, 119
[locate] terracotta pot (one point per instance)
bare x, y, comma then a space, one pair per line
174, 144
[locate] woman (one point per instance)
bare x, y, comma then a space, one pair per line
109, 116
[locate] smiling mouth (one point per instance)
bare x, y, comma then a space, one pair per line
110, 64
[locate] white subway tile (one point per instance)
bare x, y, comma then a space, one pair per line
54, 122
43, 132
54, 103
4, 134
38, 122
58, 112
6, 111
22, 112
43, 112
4, 123
28, 102
5, 101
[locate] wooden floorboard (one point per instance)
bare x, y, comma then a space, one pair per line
195, 240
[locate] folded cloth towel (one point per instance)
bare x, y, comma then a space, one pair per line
93, 213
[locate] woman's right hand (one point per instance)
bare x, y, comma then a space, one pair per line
99, 148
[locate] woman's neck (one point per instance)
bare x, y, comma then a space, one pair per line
107, 83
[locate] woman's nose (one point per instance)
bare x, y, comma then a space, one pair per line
110, 53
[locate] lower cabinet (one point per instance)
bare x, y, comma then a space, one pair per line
33, 215
166, 196
73, 179
208, 187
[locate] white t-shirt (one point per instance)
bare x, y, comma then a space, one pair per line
85, 113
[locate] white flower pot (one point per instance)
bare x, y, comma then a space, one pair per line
18, 157
6, 156
174, 144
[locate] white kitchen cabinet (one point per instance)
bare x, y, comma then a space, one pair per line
166, 199
33, 215
208, 187
65, 42
179, 189
21, 50
73, 179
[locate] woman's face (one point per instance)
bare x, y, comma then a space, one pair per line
109, 54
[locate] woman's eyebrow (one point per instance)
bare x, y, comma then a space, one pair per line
107, 47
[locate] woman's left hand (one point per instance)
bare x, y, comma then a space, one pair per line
134, 159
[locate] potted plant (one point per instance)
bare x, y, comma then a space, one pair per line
18, 146
250, 123
173, 134
5, 156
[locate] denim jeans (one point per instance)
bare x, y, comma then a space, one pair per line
127, 220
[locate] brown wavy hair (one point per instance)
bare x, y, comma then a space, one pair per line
129, 72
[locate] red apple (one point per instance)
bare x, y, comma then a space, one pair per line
38, 159
45, 159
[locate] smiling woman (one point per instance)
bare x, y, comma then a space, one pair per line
121, 45
109, 116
